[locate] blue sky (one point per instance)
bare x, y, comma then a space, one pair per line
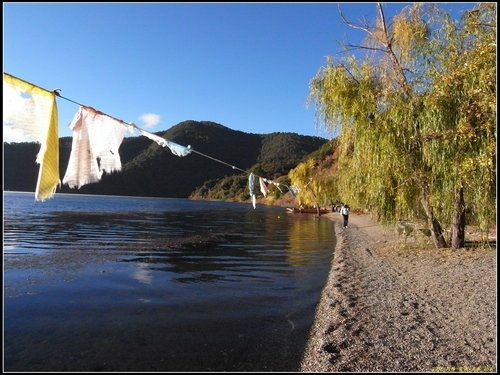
246, 66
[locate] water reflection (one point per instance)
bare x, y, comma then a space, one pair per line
199, 248
143, 274
140, 286
304, 234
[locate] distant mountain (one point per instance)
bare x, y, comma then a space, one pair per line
151, 170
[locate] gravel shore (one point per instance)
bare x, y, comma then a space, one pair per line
394, 306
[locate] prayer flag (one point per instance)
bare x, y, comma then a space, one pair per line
31, 112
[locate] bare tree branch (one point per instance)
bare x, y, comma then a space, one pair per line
386, 41
353, 46
353, 25
397, 64
350, 73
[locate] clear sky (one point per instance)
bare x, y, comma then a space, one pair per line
246, 66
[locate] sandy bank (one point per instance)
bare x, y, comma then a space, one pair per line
393, 307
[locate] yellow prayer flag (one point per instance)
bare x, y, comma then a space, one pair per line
31, 111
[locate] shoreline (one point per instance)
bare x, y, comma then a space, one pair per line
391, 307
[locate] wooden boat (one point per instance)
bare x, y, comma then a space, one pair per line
295, 210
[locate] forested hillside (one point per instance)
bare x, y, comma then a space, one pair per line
151, 170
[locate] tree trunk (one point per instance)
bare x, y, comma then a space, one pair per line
436, 230
458, 227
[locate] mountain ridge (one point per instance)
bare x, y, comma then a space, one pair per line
151, 170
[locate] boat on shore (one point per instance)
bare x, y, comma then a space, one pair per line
296, 210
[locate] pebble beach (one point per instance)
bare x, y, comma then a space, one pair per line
395, 306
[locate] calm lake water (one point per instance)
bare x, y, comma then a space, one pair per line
101, 283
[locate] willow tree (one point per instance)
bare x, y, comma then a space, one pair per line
377, 103
460, 119
308, 188
315, 186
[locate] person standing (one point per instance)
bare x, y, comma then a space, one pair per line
344, 211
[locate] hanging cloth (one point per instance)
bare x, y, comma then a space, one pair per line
96, 140
263, 188
31, 112
277, 186
294, 190
251, 187
174, 147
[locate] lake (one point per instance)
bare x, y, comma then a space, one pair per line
106, 283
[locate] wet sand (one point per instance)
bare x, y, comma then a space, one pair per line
397, 306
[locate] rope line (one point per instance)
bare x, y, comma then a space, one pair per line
218, 160
58, 94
